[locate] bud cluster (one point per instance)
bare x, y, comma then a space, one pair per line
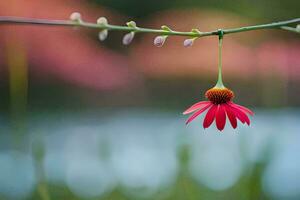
159, 41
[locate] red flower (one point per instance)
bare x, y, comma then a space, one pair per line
219, 105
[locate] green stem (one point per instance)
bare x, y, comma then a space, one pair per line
22, 20
39, 156
220, 81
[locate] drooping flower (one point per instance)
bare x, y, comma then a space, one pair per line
218, 107
220, 103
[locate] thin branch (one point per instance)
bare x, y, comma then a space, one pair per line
34, 21
285, 25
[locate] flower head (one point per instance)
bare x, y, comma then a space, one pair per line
219, 105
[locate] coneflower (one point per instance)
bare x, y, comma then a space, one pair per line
220, 104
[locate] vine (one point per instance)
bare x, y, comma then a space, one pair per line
163, 33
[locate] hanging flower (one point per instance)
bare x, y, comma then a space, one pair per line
219, 105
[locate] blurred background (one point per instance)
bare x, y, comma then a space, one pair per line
82, 119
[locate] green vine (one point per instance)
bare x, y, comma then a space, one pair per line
104, 27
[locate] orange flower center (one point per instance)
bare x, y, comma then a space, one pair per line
219, 95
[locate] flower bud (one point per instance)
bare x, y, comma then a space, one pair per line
160, 40
166, 28
298, 28
102, 21
127, 39
131, 24
103, 35
75, 16
194, 30
188, 42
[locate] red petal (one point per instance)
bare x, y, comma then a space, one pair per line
197, 113
244, 109
196, 106
210, 116
220, 117
240, 115
231, 116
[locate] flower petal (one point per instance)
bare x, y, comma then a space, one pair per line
196, 106
231, 116
220, 117
244, 109
191, 118
210, 116
240, 115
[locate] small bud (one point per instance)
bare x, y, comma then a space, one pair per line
160, 40
131, 24
188, 42
127, 39
103, 35
102, 21
298, 28
196, 31
75, 16
166, 28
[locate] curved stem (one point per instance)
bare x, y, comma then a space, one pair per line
196, 34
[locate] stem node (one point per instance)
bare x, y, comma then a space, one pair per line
220, 33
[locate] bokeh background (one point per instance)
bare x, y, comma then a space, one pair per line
82, 119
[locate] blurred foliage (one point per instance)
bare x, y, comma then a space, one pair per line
258, 9
186, 187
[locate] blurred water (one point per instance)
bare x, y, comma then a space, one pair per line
94, 153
